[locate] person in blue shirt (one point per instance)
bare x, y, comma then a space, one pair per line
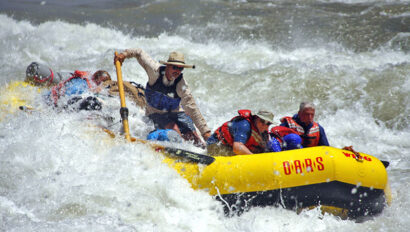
243, 134
73, 89
311, 132
40, 74
302, 123
240, 131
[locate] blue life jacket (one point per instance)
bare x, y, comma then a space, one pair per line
163, 97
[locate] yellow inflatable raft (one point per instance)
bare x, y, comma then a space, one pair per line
334, 179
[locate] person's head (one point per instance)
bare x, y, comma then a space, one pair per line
175, 65
306, 112
39, 74
292, 141
101, 76
263, 119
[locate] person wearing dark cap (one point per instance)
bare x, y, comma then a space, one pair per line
170, 104
243, 134
302, 123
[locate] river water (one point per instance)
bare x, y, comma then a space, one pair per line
350, 57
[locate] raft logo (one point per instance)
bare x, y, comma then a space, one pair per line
301, 166
367, 158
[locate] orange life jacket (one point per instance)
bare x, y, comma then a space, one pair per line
255, 143
58, 90
310, 138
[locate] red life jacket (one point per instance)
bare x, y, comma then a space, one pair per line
310, 138
58, 90
255, 143
281, 131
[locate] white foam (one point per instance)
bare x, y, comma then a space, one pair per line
58, 173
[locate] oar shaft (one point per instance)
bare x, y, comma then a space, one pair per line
120, 82
124, 109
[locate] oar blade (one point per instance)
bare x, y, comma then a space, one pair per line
190, 156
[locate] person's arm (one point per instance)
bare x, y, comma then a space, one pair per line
323, 139
240, 149
150, 66
240, 132
191, 108
206, 135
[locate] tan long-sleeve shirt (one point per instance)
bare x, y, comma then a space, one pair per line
187, 101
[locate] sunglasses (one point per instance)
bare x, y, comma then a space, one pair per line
177, 68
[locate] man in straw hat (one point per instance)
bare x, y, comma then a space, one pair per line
243, 134
170, 104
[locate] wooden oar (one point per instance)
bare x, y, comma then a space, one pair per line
123, 109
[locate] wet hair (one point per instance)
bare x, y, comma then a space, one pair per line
101, 73
306, 105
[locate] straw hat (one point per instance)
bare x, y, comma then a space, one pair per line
177, 58
265, 115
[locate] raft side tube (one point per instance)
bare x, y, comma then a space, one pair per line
301, 178
269, 171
